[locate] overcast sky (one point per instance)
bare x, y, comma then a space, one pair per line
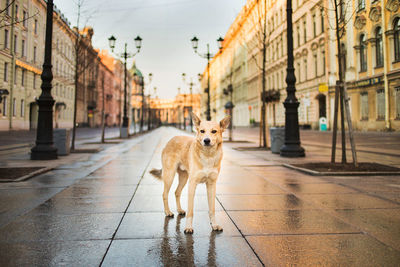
166, 27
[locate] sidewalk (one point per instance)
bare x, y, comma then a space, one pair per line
109, 212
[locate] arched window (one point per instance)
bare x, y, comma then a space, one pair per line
396, 28
363, 53
378, 47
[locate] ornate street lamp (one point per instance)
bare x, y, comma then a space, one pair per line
44, 148
292, 147
125, 55
208, 56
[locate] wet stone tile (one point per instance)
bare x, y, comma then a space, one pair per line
323, 250
65, 253
151, 203
348, 201
317, 188
181, 250
58, 205
381, 223
248, 189
60, 227
288, 222
115, 181
156, 225
102, 190
158, 189
263, 202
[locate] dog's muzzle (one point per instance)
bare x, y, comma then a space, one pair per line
207, 141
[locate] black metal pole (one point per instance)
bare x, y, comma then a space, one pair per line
292, 147
44, 148
125, 120
208, 83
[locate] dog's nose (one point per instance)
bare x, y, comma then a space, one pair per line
207, 141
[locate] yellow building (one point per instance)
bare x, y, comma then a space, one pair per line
21, 60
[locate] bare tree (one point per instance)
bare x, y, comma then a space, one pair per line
82, 63
261, 43
342, 18
7, 20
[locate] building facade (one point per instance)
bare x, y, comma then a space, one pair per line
370, 40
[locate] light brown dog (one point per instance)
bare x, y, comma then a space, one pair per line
197, 160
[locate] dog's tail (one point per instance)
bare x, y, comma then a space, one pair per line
156, 173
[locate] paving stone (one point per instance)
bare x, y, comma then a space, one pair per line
181, 250
288, 222
65, 253
323, 250
156, 225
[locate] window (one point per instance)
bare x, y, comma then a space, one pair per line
23, 48
323, 62
342, 10
314, 25
35, 26
378, 47
397, 103
304, 31
8, 4
315, 65
298, 35
15, 43
5, 71
343, 52
34, 81
24, 18
396, 39
15, 75
14, 107
16, 12
305, 69
22, 108
363, 53
380, 104
322, 20
34, 54
6, 45
364, 106
23, 77
361, 4
5, 106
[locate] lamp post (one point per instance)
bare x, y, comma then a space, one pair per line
44, 148
208, 56
125, 55
292, 147
190, 84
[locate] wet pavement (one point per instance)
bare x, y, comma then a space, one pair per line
107, 211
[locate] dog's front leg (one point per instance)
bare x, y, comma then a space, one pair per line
189, 217
211, 191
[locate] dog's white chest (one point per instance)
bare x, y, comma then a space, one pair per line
207, 170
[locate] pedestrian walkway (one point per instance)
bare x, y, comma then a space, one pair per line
110, 213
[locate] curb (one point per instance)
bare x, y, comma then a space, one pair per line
316, 173
25, 177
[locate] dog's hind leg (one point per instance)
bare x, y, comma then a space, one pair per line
168, 178
183, 177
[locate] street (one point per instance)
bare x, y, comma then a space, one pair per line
106, 210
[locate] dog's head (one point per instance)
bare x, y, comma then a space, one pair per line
209, 133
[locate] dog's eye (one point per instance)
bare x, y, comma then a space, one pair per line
202, 131
214, 131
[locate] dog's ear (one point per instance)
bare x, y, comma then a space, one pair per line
224, 123
196, 119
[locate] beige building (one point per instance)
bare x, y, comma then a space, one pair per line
21, 60
371, 44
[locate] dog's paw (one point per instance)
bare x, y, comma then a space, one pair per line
181, 212
169, 214
188, 231
216, 227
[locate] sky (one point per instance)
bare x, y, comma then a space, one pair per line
166, 27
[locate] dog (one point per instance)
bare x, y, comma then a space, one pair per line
197, 160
